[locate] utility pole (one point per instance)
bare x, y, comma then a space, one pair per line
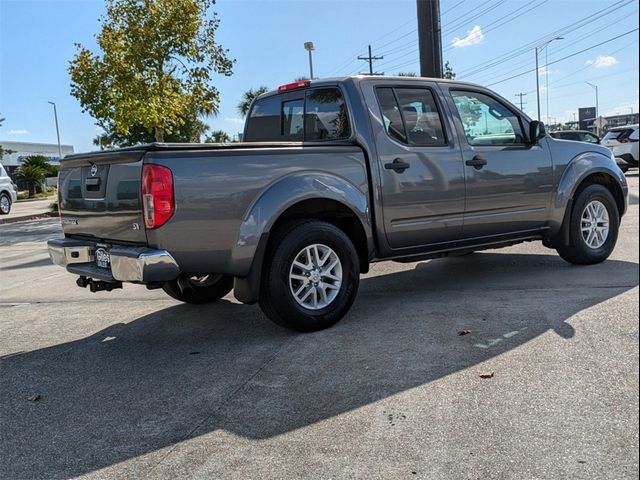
521, 104
429, 38
370, 59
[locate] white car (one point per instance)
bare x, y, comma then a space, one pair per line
623, 142
8, 192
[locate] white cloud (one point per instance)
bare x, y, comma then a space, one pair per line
474, 36
21, 131
239, 121
603, 61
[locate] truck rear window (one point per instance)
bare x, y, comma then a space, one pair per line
317, 114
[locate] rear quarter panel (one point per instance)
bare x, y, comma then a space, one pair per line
226, 199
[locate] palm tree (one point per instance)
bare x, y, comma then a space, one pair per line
218, 136
247, 98
33, 175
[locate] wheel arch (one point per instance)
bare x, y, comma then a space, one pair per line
586, 169
310, 195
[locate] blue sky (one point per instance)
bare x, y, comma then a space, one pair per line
266, 39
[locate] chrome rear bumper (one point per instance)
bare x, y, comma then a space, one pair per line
128, 264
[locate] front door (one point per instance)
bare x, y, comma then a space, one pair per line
421, 168
509, 181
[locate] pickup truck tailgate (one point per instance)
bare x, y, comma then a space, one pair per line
99, 195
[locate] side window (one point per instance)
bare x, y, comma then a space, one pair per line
487, 121
292, 120
420, 115
263, 124
413, 118
391, 114
326, 115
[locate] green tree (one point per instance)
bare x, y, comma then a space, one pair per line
155, 67
407, 74
190, 131
218, 136
34, 169
448, 71
247, 98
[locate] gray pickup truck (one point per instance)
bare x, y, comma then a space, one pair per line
333, 175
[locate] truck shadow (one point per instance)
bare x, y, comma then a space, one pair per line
133, 389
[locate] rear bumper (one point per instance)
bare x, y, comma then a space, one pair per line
128, 264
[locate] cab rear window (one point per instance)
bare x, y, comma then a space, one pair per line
309, 115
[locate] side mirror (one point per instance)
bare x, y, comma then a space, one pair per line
536, 131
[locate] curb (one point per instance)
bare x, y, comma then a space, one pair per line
24, 218
25, 200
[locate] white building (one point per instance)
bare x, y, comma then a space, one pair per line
21, 150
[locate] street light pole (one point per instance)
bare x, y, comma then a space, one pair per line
55, 115
308, 46
595, 87
544, 45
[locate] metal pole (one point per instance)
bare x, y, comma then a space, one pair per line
595, 122
370, 61
310, 66
537, 84
55, 115
546, 76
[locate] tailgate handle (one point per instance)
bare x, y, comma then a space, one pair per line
92, 182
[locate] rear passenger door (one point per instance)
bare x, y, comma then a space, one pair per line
419, 164
509, 182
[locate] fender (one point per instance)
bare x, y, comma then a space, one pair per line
248, 251
579, 168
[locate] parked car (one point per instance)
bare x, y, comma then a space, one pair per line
334, 175
576, 135
623, 142
8, 192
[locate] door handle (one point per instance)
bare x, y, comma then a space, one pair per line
397, 165
476, 162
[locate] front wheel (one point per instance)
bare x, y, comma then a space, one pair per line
199, 289
311, 276
593, 227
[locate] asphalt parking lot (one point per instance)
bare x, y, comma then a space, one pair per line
132, 384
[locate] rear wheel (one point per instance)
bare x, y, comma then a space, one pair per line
199, 289
311, 276
5, 204
593, 227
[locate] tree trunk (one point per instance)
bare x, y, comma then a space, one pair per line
32, 190
159, 134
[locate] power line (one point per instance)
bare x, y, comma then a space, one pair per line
565, 57
527, 47
565, 45
411, 45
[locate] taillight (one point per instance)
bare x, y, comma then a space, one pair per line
157, 195
294, 85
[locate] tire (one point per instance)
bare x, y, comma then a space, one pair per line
198, 291
579, 251
282, 279
5, 204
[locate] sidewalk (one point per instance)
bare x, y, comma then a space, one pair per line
27, 210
